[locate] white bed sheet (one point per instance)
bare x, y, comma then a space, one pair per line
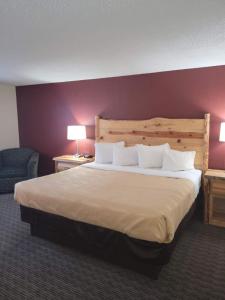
193, 175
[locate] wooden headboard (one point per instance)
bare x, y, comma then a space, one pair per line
181, 134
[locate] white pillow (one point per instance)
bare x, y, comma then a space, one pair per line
174, 160
125, 156
104, 152
151, 156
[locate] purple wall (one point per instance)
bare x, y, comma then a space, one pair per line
44, 111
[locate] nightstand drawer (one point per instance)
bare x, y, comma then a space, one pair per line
66, 162
64, 166
218, 187
217, 211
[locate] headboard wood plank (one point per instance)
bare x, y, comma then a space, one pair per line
155, 124
181, 134
163, 134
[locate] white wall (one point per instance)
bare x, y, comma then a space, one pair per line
9, 136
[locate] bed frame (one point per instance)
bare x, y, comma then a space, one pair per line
141, 256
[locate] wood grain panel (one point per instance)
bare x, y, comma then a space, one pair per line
218, 187
181, 134
155, 124
163, 134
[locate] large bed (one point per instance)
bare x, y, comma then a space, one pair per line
127, 215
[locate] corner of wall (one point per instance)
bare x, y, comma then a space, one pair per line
9, 133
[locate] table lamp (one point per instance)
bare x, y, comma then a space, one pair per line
77, 133
222, 132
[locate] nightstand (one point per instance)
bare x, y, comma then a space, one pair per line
215, 197
66, 162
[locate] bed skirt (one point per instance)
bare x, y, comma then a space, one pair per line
141, 256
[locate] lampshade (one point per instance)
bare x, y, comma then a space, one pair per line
222, 132
76, 132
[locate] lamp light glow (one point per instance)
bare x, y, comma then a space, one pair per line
76, 133
222, 132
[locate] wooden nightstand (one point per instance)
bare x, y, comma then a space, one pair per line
215, 197
66, 162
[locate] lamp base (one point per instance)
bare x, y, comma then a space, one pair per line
77, 155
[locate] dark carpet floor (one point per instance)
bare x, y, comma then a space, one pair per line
32, 268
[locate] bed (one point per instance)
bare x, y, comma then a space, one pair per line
125, 215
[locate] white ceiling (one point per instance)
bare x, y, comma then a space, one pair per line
62, 40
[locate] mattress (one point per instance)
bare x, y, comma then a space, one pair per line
137, 203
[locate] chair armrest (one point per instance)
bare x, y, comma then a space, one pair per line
32, 166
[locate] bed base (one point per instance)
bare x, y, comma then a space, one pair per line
141, 256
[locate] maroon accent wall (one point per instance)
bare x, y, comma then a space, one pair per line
45, 110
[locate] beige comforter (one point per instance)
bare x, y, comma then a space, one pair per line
143, 207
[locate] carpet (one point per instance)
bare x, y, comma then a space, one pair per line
32, 268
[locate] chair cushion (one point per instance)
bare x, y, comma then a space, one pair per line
9, 172
17, 157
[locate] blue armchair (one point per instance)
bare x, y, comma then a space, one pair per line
17, 165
